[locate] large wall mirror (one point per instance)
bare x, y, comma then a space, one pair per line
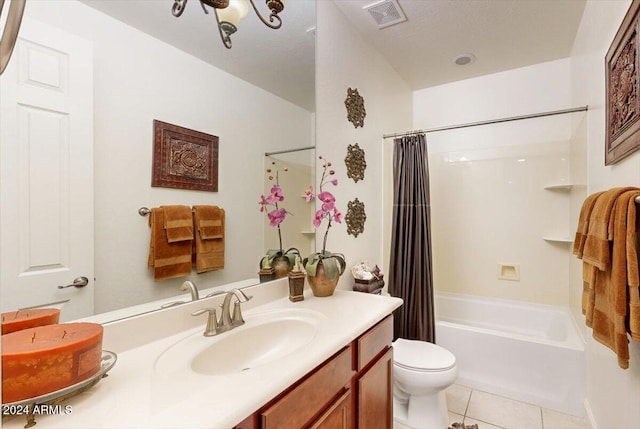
134, 62
295, 170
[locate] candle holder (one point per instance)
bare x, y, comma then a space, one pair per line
267, 274
296, 286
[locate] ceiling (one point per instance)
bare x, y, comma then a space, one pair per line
502, 34
280, 61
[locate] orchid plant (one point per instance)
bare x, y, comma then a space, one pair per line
270, 205
333, 263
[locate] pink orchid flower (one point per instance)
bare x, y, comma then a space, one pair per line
264, 201
317, 217
334, 182
276, 216
308, 194
328, 201
276, 193
337, 216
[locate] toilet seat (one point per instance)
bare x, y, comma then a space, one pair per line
421, 356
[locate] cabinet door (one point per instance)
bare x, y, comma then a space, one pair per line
313, 395
375, 395
46, 172
338, 416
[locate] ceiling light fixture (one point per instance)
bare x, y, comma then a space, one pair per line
229, 13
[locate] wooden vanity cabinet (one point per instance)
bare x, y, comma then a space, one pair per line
351, 390
374, 378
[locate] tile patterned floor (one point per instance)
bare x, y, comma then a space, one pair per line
489, 411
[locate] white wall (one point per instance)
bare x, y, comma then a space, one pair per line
345, 60
488, 201
613, 394
139, 79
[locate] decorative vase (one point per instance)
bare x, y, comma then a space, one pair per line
281, 266
320, 285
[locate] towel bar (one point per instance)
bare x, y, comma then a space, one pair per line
145, 211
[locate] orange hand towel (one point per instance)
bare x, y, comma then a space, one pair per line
611, 287
168, 260
208, 221
209, 245
596, 247
583, 223
178, 223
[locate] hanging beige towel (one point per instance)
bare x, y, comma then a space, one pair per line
209, 243
168, 260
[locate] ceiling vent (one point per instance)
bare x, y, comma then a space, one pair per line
386, 13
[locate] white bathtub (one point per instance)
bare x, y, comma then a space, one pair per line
529, 352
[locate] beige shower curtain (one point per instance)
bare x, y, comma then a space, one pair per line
410, 267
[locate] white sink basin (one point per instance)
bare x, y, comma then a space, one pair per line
263, 338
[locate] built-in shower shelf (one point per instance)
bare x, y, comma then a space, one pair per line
558, 239
562, 187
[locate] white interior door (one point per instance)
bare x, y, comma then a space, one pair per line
46, 172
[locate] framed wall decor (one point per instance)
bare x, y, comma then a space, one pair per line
184, 158
622, 90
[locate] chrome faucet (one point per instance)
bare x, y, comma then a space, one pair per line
212, 324
227, 321
192, 289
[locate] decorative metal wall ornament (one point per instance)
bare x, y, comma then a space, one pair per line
356, 164
355, 217
623, 91
355, 108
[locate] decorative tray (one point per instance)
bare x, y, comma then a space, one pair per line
49, 403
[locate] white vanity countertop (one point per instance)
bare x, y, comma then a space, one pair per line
134, 395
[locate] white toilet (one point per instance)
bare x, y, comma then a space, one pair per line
422, 372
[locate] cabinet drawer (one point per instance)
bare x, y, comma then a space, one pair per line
375, 340
311, 396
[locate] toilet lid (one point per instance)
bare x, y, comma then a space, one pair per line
422, 356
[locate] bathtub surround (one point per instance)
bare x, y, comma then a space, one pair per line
410, 267
610, 299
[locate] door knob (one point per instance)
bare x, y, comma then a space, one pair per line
77, 282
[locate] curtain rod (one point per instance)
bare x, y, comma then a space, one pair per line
492, 121
289, 150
